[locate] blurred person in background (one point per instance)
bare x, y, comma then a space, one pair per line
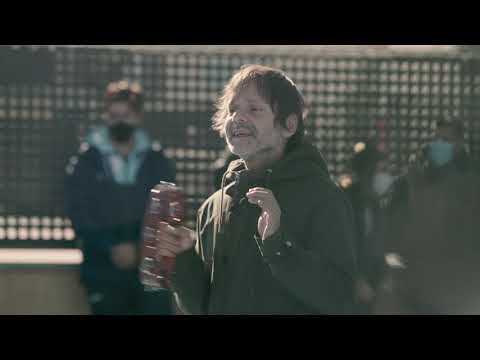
277, 238
431, 233
366, 188
107, 189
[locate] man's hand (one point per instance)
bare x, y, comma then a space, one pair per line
125, 256
269, 220
173, 241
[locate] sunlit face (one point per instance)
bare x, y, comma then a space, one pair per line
250, 127
122, 112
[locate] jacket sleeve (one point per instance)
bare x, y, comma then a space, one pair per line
321, 272
396, 210
191, 281
170, 170
79, 200
166, 168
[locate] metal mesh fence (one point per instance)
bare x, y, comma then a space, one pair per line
50, 96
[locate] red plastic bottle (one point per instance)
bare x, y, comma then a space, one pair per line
167, 204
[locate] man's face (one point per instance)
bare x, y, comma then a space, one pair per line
122, 112
250, 127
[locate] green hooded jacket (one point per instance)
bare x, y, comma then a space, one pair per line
307, 267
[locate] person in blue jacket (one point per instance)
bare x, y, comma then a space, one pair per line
107, 191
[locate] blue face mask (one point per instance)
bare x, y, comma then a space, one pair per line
441, 153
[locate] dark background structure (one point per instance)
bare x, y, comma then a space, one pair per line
49, 96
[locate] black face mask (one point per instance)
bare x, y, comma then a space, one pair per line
121, 132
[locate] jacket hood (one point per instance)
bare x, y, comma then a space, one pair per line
303, 161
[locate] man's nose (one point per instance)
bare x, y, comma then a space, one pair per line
239, 117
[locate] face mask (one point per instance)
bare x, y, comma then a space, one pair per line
381, 183
121, 132
441, 153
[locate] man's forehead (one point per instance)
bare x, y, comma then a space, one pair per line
445, 129
249, 93
448, 131
249, 99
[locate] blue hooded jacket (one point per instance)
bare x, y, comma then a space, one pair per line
106, 198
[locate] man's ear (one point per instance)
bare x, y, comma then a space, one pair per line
291, 126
